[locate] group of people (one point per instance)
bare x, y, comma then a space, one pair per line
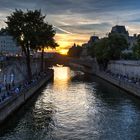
12, 89
126, 78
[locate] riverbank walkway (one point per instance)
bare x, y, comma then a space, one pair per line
13, 90
132, 85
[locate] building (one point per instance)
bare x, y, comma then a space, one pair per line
90, 43
92, 40
8, 46
121, 30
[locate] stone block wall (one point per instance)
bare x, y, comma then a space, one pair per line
130, 68
16, 70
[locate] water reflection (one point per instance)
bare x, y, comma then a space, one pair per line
77, 107
62, 78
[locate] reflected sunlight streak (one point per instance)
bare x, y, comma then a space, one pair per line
62, 77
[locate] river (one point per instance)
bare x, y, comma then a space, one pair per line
75, 106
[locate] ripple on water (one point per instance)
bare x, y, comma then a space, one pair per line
76, 107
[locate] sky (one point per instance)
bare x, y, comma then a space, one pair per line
77, 20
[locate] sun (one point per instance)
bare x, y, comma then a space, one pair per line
63, 51
63, 47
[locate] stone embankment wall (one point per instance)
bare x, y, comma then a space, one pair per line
16, 70
128, 87
132, 68
125, 85
129, 68
16, 101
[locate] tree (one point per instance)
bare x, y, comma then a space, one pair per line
117, 43
91, 45
75, 51
24, 27
136, 49
101, 52
46, 40
91, 50
109, 49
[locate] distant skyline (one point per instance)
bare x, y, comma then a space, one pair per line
76, 20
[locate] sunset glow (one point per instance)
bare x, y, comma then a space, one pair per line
63, 51
66, 41
75, 23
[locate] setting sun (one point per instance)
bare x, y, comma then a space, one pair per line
66, 41
63, 52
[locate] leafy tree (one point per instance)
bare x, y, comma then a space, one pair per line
136, 49
128, 56
117, 43
46, 40
75, 51
24, 27
102, 52
91, 50
109, 49
91, 45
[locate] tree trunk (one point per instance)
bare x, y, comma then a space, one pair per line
42, 60
28, 64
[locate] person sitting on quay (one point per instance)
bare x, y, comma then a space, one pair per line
17, 90
11, 88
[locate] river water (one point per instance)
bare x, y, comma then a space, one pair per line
75, 106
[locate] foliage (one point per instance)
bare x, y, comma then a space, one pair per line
75, 51
45, 40
136, 49
31, 32
109, 49
128, 56
117, 43
91, 50
102, 52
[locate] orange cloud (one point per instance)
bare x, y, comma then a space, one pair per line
65, 41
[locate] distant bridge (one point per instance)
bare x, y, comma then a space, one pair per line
64, 60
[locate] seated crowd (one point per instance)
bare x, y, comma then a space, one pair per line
126, 78
12, 89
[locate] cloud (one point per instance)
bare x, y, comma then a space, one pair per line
79, 19
135, 20
62, 30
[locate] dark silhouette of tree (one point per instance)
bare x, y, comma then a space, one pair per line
117, 43
31, 33
46, 40
101, 52
23, 26
136, 49
75, 51
109, 49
